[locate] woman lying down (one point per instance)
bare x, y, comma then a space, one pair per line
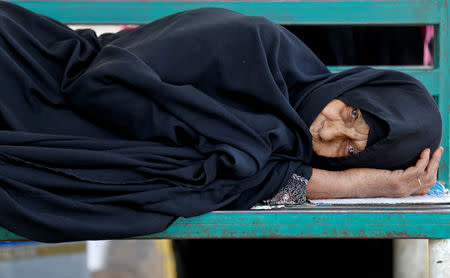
118, 135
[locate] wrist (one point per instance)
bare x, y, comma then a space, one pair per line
328, 185
367, 183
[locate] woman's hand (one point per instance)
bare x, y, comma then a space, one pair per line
418, 179
366, 182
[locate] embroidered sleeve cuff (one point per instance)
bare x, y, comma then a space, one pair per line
292, 193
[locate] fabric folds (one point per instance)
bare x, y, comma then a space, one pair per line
117, 136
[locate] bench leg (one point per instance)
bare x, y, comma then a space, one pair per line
439, 258
410, 258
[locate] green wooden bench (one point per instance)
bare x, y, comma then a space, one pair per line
431, 222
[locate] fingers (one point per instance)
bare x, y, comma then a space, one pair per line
433, 165
429, 177
419, 169
418, 179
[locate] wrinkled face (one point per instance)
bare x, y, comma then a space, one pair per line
339, 130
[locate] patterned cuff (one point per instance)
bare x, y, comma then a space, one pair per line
292, 193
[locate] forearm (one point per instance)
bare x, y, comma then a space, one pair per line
351, 183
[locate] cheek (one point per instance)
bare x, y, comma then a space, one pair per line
328, 149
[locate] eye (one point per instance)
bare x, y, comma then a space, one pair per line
355, 113
351, 150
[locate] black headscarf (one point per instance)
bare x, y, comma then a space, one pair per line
117, 136
378, 129
403, 116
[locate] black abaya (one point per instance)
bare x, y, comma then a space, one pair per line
117, 136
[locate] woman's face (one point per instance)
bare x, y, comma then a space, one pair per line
339, 130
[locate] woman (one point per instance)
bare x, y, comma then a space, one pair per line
410, 120
118, 135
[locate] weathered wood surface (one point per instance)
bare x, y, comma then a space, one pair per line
299, 12
310, 222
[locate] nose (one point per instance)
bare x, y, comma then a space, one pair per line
332, 130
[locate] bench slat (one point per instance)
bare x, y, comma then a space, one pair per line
306, 222
427, 75
300, 12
